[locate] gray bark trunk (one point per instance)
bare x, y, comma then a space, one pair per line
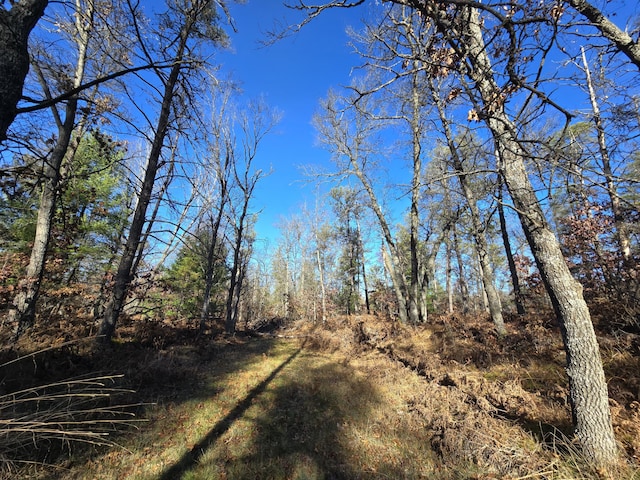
236, 275
465, 298
322, 287
363, 264
621, 229
414, 214
210, 267
587, 384
393, 258
620, 38
448, 274
479, 237
515, 281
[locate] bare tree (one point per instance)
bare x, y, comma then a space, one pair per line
588, 388
24, 304
459, 45
189, 23
348, 133
254, 125
617, 36
221, 155
478, 227
616, 208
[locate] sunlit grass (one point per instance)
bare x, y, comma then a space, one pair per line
316, 418
277, 409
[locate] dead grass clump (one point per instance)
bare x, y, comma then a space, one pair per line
468, 432
336, 334
326, 341
38, 423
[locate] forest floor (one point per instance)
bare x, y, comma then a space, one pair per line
356, 398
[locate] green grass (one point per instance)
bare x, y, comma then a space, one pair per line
276, 409
280, 413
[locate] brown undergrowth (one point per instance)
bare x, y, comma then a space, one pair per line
357, 397
486, 393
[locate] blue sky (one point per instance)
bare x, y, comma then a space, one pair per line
292, 75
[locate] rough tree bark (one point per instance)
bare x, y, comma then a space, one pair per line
618, 37
587, 384
15, 26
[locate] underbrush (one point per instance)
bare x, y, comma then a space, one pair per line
354, 398
488, 397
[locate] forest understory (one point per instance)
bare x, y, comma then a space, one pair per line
357, 397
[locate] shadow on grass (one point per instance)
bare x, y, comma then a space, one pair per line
315, 422
310, 431
166, 378
191, 458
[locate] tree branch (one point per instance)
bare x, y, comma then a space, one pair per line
621, 39
74, 91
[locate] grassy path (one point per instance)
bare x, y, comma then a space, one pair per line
275, 410
279, 409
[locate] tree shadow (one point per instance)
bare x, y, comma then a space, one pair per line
191, 458
162, 379
312, 424
306, 433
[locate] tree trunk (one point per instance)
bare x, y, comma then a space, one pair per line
234, 280
448, 274
465, 298
24, 304
400, 298
154, 215
478, 230
619, 38
364, 270
414, 214
26, 299
621, 229
515, 282
15, 26
392, 261
210, 267
322, 287
587, 384
237, 272
124, 274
